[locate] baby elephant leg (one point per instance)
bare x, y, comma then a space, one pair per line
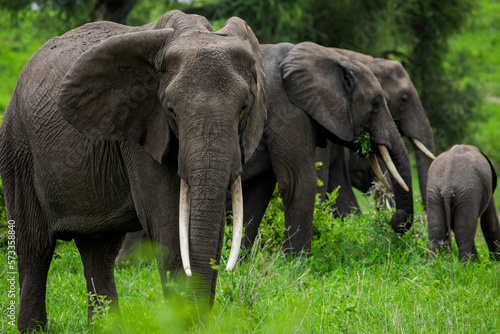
491, 230
465, 232
436, 221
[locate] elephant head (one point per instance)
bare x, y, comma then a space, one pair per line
345, 98
405, 107
186, 93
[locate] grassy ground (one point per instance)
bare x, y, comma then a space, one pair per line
361, 278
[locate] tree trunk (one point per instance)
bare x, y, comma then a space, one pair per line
112, 10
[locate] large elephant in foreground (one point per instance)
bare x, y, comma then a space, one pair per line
342, 167
459, 192
314, 94
108, 127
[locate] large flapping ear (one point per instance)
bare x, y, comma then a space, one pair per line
111, 92
493, 173
316, 81
254, 128
182, 22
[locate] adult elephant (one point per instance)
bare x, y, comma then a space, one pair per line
314, 94
342, 167
460, 190
106, 124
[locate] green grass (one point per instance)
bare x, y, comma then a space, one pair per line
361, 277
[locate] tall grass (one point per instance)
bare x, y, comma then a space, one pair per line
361, 277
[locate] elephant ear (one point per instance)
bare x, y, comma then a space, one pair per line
111, 92
254, 128
493, 173
317, 81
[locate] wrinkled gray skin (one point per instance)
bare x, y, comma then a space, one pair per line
342, 167
460, 191
314, 94
102, 123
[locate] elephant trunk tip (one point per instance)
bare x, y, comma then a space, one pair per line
401, 221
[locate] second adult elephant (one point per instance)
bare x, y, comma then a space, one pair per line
314, 94
409, 115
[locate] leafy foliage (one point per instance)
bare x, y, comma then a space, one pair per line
364, 140
448, 105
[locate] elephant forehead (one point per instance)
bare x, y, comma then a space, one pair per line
206, 48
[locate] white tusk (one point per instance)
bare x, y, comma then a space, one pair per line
387, 205
237, 199
390, 165
422, 148
184, 210
376, 169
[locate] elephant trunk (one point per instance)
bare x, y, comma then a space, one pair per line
206, 232
423, 163
416, 127
388, 139
208, 165
402, 219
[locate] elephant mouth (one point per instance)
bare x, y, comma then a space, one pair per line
184, 217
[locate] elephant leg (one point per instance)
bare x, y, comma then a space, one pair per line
155, 192
339, 176
33, 266
465, 231
297, 187
98, 258
133, 245
257, 193
491, 230
291, 143
34, 246
436, 223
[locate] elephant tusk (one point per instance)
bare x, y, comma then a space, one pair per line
390, 165
422, 148
184, 210
237, 200
378, 172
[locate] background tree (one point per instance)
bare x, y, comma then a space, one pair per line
416, 32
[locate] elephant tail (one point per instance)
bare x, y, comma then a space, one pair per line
447, 210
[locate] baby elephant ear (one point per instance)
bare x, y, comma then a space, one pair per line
111, 92
316, 81
254, 128
493, 173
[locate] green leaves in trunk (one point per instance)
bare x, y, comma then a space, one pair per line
364, 140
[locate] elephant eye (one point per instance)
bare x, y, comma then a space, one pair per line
245, 105
347, 81
170, 110
376, 103
404, 99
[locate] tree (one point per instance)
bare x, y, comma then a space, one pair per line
110, 10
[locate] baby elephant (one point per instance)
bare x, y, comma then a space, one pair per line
460, 187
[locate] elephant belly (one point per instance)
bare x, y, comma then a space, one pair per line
84, 189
